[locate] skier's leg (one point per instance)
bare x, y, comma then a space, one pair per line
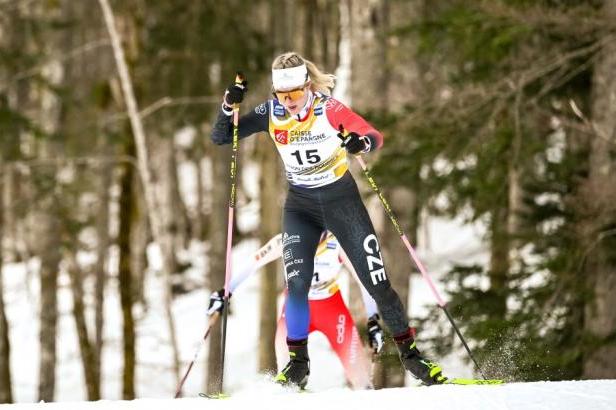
349, 221
282, 350
332, 318
300, 239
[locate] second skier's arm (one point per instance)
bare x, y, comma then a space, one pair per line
269, 252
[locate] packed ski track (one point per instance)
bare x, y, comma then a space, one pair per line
574, 395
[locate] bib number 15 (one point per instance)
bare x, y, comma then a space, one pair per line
310, 155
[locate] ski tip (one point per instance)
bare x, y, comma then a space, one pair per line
470, 382
214, 396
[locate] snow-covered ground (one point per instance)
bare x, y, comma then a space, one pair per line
592, 394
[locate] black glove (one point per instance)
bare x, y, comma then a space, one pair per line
375, 333
235, 93
216, 302
355, 143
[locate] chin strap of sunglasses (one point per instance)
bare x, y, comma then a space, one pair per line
304, 111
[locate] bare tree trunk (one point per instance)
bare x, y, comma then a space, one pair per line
404, 204
383, 77
514, 185
281, 13
328, 19
163, 240
47, 227
318, 40
270, 225
172, 209
368, 21
504, 227
46, 218
270, 183
368, 72
10, 222
127, 206
355, 301
6, 153
6, 395
199, 221
100, 270
140, 235
88, 353
309, 9
217, 247
499, 258
180, 211
600, 269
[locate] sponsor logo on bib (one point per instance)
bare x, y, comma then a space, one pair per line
281, 136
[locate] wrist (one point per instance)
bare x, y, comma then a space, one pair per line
367, 147
370, 143
227, 109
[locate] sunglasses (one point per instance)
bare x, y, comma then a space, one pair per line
293, 95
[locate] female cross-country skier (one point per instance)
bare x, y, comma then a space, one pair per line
306, 125
328, 312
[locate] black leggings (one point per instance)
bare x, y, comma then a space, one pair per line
338, 208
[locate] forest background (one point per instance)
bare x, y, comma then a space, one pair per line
500, 113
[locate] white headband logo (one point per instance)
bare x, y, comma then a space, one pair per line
286, 78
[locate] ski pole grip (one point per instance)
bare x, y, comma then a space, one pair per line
240, 82
239, 78
342, 134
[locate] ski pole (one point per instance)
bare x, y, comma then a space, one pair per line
414, 257
213, 319
239, 78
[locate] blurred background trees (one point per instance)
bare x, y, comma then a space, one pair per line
499, 113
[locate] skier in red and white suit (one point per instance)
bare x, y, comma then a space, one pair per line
328, 312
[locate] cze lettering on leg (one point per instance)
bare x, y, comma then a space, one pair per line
374, 259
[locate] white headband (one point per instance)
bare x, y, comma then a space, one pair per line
286, 78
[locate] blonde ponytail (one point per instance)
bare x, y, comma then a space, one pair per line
319, 81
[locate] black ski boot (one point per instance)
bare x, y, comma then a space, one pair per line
426, 370
296, 372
